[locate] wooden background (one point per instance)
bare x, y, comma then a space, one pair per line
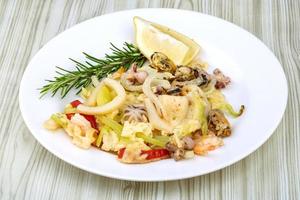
28, 171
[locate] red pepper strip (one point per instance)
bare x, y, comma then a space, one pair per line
121, 153
155, 153
70, 115
151, 154
75, 103
90, 118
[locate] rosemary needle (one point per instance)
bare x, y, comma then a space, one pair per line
81, 77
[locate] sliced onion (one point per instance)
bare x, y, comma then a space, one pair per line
106, 108
92, 100
154, 119
148, 92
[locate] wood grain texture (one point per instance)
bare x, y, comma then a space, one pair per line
28, 171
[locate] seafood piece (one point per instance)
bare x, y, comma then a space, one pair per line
218, 124
188, 143
179, 153
135, 76
159, 90
222, 80
132, 80
174, 91
161, 62
175, 152
207, 143
185, 75
135, 113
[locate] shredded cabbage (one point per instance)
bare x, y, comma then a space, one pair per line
60, 119
162, 138
199, 111
103, 131
151, 140
187, 127
115, 126
218, 101
130, 129
110, 141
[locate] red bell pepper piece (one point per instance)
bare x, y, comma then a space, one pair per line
121, 153
155, 153
75, 103
151, 154
90, 118
70, 115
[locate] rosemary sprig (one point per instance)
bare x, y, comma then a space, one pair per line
81, 77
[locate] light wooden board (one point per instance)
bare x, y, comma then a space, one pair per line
28, 171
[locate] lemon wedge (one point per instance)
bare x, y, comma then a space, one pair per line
151, 37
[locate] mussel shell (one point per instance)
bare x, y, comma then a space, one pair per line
161, 62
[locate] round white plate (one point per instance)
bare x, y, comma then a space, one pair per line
258, 82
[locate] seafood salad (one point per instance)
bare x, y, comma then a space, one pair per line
153, 107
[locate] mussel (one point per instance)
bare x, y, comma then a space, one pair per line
161, 62
218, 124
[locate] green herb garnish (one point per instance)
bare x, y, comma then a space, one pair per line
81, 77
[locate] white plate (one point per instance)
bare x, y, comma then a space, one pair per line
258, 82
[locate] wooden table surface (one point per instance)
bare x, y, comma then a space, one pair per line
29, 171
